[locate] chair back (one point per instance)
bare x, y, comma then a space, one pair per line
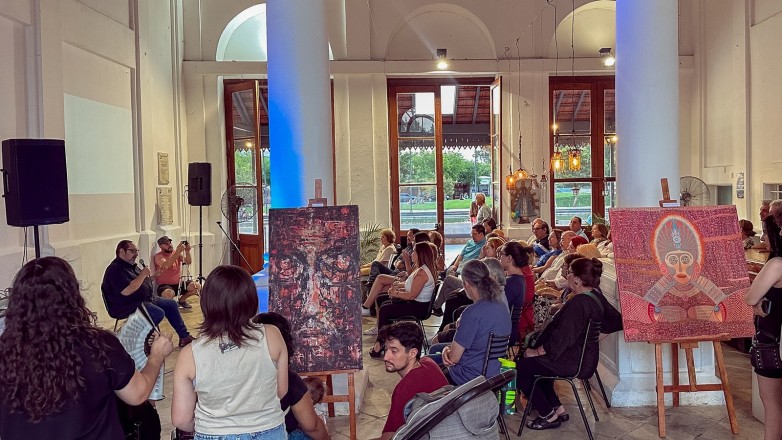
586, 368
495, 349
106, 303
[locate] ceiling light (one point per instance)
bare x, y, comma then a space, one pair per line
442, 58
608, 57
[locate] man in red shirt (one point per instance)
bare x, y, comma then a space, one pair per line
403, 342
168, 267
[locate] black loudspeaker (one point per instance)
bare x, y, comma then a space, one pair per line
35, 182
199, 184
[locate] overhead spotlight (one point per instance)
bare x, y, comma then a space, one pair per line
608, 57
442, 58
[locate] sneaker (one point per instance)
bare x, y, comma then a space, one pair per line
371, 331
365, 312
185, 305
185, 341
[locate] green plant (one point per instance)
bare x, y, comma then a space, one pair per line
369, 242
597, 219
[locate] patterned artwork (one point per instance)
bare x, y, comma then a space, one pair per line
680, 272
314, 282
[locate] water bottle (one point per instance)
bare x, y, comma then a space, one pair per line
508, 392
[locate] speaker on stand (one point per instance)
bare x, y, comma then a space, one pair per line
199, 193
35, 184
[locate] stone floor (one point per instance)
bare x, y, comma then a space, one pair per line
685, 423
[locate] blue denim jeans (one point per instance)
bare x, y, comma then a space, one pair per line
160, 307
277, 433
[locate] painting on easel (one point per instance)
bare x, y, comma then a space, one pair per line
314, 282
681, 272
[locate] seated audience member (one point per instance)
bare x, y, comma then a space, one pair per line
558, 349
126, 286
575, 226
599, 233
588, 250
387, 279
489, 250
61, 372
489, 225
606, 247
765, 209
541, 243
229, 382
403, 341
401, 263
574, 243
773, 228
168, 265
514, 258
470, 251
437, 240
413, 298
301, 420
531, 239
500, 234
566, 244
748, 234
545, 261
384, 254
464, 356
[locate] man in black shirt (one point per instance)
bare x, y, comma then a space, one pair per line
125, 286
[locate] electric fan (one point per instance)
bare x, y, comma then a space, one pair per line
240, 203
693, 191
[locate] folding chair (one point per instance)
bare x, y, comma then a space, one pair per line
495, 349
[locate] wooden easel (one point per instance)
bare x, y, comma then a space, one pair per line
330, 398
666, 201
319, 200
688, 345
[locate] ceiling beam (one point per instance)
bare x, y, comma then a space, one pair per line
475, 107
578, 106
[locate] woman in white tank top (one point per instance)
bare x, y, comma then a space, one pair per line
228, 383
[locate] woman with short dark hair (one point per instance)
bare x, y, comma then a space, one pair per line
61, 374
229, 382
557, 351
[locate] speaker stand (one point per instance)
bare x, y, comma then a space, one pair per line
201, 278
37, 241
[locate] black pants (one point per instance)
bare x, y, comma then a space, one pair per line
391, 310
376, 269
546, 398
451, 305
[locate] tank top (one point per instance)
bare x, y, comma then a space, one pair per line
236, 386
771, 325
426, 292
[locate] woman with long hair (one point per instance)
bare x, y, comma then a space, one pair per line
765, 297
489, 250
557, 350
229, 382
413, 298
488, 314
61, 374
514, 258
547, 259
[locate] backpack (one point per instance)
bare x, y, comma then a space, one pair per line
474, 419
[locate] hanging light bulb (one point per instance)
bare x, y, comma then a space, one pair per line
510, 180
574, 159
557, 161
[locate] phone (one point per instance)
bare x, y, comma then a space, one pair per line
184, 242
765, 306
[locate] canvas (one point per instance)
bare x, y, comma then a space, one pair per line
680, 272
314, 282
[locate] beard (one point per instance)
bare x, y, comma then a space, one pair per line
169, 250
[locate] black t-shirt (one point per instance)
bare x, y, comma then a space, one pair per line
296, 390
772, 235
116, 278
94, 414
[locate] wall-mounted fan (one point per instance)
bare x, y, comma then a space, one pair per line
240, 202
693, 191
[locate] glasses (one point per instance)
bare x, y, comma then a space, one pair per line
132, 251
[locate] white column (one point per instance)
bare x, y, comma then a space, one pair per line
299, 101
647, 100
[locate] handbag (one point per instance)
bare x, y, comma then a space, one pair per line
765, 355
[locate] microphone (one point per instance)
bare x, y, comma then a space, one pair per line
219, 223
141, 262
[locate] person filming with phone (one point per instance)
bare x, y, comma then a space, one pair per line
168, 263
765, 297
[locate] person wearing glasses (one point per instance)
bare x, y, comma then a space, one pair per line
126, 286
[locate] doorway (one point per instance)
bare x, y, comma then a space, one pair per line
444, 149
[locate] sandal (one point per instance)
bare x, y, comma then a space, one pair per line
542, 423
377, 354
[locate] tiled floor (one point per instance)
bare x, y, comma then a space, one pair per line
702, 422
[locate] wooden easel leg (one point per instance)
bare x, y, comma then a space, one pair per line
332, 413
734, 425
352, 405
658, 364
675, 372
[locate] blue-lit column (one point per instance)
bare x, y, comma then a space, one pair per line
647, 100
299, 101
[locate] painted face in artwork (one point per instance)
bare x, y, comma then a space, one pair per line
680, 266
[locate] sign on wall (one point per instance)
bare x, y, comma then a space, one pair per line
681, 272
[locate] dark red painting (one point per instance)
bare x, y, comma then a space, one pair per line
680, 272
314, 282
